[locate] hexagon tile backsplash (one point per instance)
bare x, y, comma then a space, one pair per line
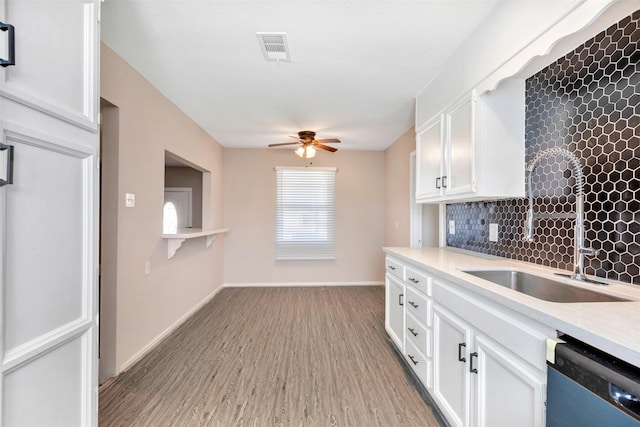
587, 102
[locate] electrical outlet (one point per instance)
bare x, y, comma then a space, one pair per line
147, 268
452, 227
493, 232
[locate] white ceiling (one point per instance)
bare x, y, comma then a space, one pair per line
356, 65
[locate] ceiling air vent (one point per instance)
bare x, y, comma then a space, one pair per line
274, 46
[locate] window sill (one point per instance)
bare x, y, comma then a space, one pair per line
175, 240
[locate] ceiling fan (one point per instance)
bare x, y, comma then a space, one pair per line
309, 144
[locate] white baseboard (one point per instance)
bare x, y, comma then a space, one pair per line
147, 348
299, 284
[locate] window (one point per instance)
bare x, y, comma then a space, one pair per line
305, 218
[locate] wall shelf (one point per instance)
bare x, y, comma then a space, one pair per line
175, 240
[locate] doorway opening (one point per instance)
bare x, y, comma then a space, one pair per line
108, 260
424, 218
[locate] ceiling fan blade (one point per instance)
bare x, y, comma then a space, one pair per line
331, 140
325, 147
283, 143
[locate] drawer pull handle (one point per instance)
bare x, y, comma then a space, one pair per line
415, 334
438, 183
415, 362
413, 304
471, 368
9, 168
391, 267
11, 48
400, 299
413, 280
444, 181
461, 358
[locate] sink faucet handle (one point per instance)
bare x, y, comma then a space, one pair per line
589, 251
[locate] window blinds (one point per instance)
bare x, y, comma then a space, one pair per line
306, 206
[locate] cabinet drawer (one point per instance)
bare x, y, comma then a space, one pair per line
418, 334
419, 280
418, 306
419, 363
394, 268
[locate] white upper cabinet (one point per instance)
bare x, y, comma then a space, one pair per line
429, 155
474, 150
460, 174
470, 117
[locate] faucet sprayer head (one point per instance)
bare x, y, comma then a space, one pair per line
528, 226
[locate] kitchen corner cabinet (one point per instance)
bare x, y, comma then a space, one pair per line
474, 150
483, 364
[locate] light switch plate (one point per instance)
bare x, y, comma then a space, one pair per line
493, 232
452, 227
130, 200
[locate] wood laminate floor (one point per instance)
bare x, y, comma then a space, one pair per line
272, 357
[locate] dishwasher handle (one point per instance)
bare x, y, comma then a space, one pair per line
625, 399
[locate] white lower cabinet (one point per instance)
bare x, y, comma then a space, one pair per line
483, 364
451, 378
489, 364
394, 311
509, 393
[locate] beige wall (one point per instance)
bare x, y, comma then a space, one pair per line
249, 193
396, 190
148, 125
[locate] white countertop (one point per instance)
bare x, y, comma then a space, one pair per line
613, 327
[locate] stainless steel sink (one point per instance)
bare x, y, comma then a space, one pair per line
542, 288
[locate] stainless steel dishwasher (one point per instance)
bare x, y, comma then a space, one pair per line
589, 388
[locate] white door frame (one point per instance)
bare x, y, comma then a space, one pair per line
415, 209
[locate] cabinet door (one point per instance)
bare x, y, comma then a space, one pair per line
395, 311
49, 214
429, 160
451, 344
509, 393
460, 154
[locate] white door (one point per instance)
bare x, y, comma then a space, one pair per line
181, 198
49, 215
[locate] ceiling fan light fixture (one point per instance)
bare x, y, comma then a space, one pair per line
305, 151
311, 152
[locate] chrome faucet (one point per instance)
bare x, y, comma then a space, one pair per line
579, 250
